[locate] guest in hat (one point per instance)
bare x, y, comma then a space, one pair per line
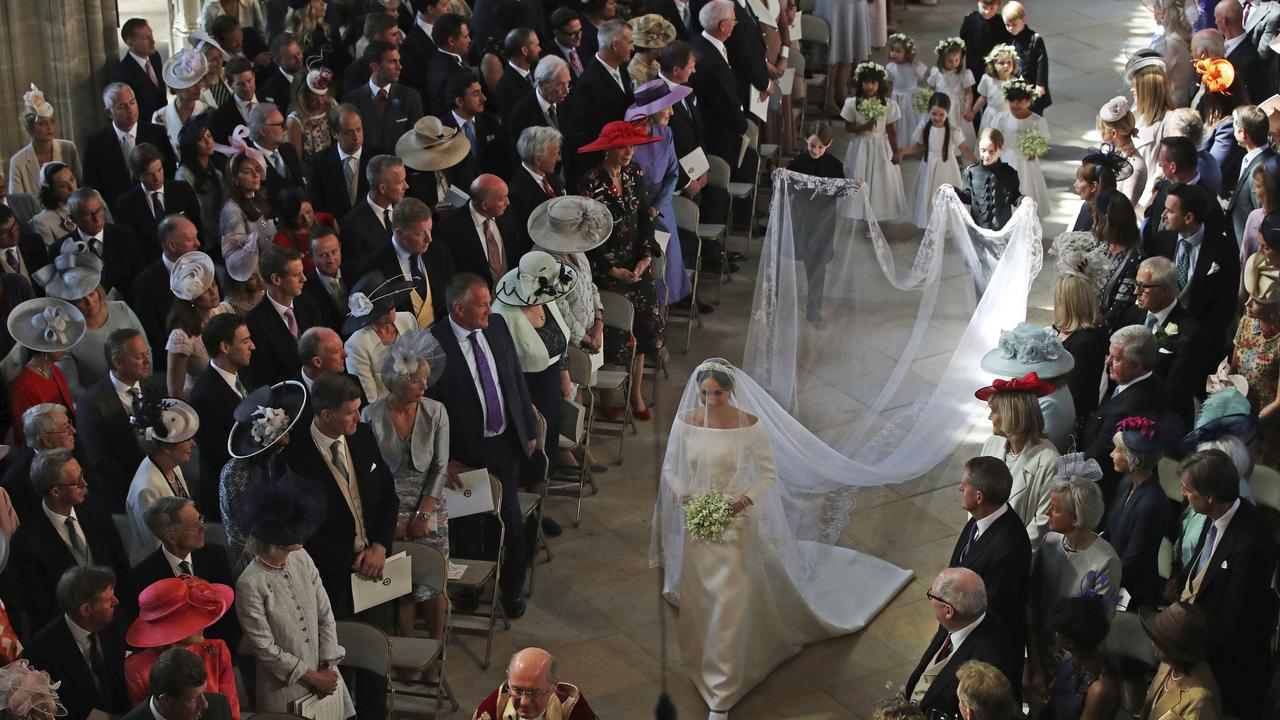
653, 108
175, 612
1017, 438
624, 263
311, 98
1184, 686
46, 328
214, 88
1033, 349
1139, 513
1085, 684
295, 647
371, 326
184, 74
434, 153
263, 421
166, 429
569, 227
29, 694
1256, 355
245, 287
196, 300
42, 127
413, 434
650, 33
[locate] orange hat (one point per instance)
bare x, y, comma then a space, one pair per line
1217, 75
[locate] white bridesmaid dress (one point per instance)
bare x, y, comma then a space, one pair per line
870, 158
934, 170
1030, 176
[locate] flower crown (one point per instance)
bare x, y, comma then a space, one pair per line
1001, 49
907, 43
1145, 427
870, 68
1019, 89
947, 45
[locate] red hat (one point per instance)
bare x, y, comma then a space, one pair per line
1030, 382
619, 134
174, 609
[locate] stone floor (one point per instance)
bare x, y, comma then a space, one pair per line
596, 605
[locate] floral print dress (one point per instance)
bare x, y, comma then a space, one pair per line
1257, 358
631, 241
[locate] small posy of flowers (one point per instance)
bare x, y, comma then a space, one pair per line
872, 109
920, 100
1032, 145
1143, 426
359, 304
708, 516
268, 424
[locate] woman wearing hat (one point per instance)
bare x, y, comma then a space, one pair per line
310, 100
244, 287
1033, 349
45, 147
413, 435
263, 421
57, 182
184, 74
247, 210
75, 276
1085, 686
1017, 439
1097, 172
296, 218
174, 612
166, 429
1256, 354
569, 227
201, 167
650, 33
295, 642
1117, 127
46, 328
661, 173
214, 88
306, 21
1184, 686
196, 300
28, 694
1139, 513
372, 325
624, 263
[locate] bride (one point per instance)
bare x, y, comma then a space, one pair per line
775, 580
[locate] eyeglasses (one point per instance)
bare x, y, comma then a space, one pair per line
929, 594
66, 429
1145, 287
521, 693
575, 33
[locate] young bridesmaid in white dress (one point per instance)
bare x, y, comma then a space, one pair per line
941, 142
870, 156
1002, 66
950, 76
1019, 119
906, 73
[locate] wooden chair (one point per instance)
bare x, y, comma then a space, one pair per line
416, 655
619, 314
368, 649
481, 577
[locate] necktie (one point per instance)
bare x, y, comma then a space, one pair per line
95, 246
335, 451
335, 287
533, 82
184, 568
492, 408
349, 170
575, 62
77, 542
1151, 322
11, 259
241, 390
1184, 264
491, 248
684, 15
386, 218
248, 108
1207, 551
973, 535
944, 652
126, 146
546, 187
97, 662
157, 206
469, 129
380, 104
551, 115
415, 270
277, 160
291, 322
151, 73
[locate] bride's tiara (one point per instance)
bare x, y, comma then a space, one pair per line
717, 364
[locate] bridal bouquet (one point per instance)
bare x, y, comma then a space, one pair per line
920, 101
872, 109
1032, 144
707, 516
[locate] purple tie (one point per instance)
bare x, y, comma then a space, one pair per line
492, 408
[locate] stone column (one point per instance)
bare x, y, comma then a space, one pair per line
69, 48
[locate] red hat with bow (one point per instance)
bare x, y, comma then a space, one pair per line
1030, 382
174, 609
619, 134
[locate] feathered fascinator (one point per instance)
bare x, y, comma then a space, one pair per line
1083, 255
1115, 109
1140, 434
1077, 465
1216, 75
409, 352
34, 102
27, 692
1105, 156
1019, 89
947, 45
163, 419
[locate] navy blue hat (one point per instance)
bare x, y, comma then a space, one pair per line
283, 511
1140, 434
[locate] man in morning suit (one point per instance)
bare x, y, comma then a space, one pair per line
1261, 25
267, 133
106, 157
141, 69
215, 396
387, 108
1178, 162
21, 253
368, 225
483, 130
337, 177
678, 13
605, 91
452, 36
676, 65
103, 417
534, 181
287, 56
744, 49
277, 321
180, 529
326, 289
966, 632
1229, 577
1132, 390
115, 244
994, 543
1251, 133
523, 50
378, 27
482, 240
413, 256
546, 107
569, 43
152, 198
71, 531
83, 645
46, 427
176, 690
715, 86
491, 423
418, 48
235, 111
1242, 54
177, 237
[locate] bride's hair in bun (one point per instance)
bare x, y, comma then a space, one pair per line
717, 369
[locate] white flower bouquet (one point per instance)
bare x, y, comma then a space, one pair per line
707, 516
871, 109
920, 100
1032, 144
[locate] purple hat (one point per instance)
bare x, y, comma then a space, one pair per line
656, 95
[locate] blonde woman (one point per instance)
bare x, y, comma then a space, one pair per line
1148, 79
1079, 325
1017, 438
42, 127
1119, 128
314, 33
310, 100
1174, 43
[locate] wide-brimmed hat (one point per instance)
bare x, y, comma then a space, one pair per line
540, 278
186, 68
164, 419
46, 324
1225, 412
1140, 434
1260, 279
652, 31
192, 276
240, 253
570, 224
33, 100
618, 134
654, 96
372, 297
200, 39
1027, 383
174, 609
431, 145
284, 510
73, 274
265, 416
1180, 630
1029, 348
1144, 58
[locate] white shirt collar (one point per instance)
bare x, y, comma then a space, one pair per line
1230, 44
374, 87
342, 154
1249, 155
230, 378
324, 442
242, 103
537, 176
132, 132
715, 43
173, 560
286, 75
613, 70
959, 636
79, 634
144, 62
400, 252
55, 518
377, 209
461, 120
1195, 238
455, 56
427, 27
279, 308
542, 102
1164, 314
460, 332
121, 388
476, 218
151, 703
987, 521
523, 73
1222, 522
168, 264
1124, 386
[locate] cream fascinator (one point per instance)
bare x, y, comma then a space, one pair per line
34, 101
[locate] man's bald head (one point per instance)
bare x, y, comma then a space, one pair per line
489, 195
1229, 17
959, 596
531, 681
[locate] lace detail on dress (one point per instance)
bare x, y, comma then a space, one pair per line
180, 343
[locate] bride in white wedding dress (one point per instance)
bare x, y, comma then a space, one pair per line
775, 580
